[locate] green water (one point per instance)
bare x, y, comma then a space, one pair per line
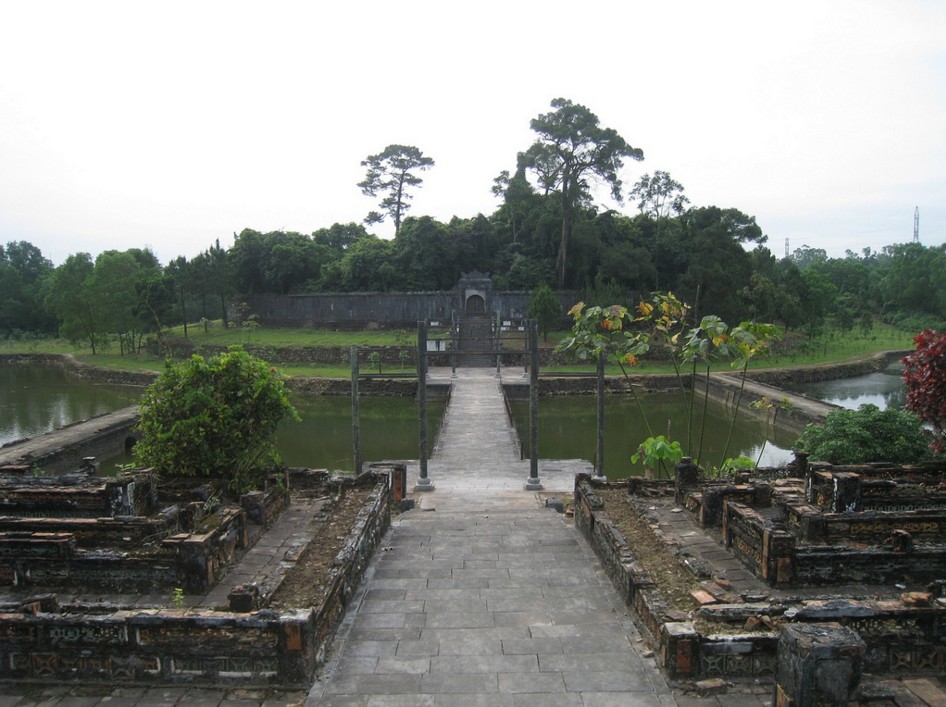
324, 437
567, 430
37, 399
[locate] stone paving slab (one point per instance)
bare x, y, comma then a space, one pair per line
484, 637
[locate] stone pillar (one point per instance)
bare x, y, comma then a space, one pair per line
818, 664
398, 482
847, 492
355, 412
423, 480
533, 483
686, 478
599, 461
680, 649
799, 466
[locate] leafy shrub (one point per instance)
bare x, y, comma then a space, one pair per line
867, 434
924, 374
214, 417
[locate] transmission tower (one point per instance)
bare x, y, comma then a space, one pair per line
916, 225
786, 247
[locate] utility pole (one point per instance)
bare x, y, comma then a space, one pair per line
916, 225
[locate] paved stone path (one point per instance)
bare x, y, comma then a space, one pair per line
481, 596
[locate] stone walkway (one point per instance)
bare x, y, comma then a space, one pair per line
480, 595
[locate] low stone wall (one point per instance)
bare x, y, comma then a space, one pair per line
43, 642
77, 495
350, 564
766, 551
880, 547
786, 377
683, 651
905, 637
129, 532
177, 646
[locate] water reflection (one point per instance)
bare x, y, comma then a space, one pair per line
884, 389
37, 399
324, 437
567, 430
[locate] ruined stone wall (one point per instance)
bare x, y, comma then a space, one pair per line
157, 646
44, 642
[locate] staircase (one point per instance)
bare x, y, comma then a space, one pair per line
476, 343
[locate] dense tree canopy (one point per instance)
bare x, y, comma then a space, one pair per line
545, 229
23, 270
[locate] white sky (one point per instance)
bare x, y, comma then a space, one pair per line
170, 125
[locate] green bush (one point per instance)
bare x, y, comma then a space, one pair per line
214, 417
865, 435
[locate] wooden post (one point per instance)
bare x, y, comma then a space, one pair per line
355, 413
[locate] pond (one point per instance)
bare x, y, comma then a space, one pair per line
884, 389
567, 430
38, 399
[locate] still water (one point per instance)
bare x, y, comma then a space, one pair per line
37, 399
567, 431
884, 389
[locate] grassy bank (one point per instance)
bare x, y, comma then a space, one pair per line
802, 352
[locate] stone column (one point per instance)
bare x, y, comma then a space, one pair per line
686, 478
818, 664
423, 481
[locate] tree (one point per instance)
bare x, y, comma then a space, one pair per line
69, 298
214, 417
212, 270
718, 264
660, 195
924, 374
545, 309
805, 256
390, 173
111, 288
573, 150
23, 271
179, 272
424, 255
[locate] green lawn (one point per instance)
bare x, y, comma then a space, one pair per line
825, 350
217, 335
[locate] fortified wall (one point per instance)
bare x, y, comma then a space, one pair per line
474, 296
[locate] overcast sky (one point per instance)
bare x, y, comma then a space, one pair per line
171, 125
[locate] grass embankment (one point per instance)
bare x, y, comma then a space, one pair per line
827, 349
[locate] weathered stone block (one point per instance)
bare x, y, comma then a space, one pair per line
244, 598
818, 664
680, 649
